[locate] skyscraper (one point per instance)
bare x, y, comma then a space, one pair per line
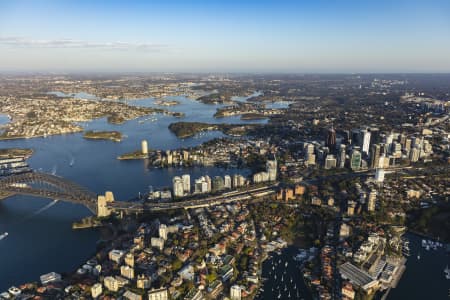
330, 161
178, 190
271, 168
342, 156
218, 183
379, 175
371, 201
375, 155
365, 141
330, 141
355, 160
144, 147
227, 181
186, 183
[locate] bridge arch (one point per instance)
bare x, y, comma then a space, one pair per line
49, 186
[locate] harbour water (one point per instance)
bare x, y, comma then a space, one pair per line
40, 238
283, 277
424, 277
3, 119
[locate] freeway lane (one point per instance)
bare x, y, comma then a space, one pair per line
210, 201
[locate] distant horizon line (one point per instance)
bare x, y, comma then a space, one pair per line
35, 72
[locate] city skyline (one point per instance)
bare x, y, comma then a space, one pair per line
269, 36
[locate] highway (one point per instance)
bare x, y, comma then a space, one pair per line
224, 198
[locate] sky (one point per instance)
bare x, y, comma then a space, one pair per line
303, 36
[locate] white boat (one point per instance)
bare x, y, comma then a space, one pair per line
447, 272
418, 256
286, 264
4, 235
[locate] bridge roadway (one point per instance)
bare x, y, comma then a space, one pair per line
48, 186
195, 203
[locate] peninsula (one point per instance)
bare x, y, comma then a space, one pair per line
15, 152
189, 129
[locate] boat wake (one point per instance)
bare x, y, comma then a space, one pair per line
39, 211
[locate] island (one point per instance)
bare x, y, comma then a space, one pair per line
133, 155
167, 102
15, 153
115, 136
189, 129
216, 98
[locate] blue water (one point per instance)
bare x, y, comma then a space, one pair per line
424, 278
283, 280
44, 242
80, 95
3, 119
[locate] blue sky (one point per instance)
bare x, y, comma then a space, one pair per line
226, 36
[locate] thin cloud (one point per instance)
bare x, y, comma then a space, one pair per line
22, 42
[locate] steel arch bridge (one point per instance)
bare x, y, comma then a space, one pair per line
48, 186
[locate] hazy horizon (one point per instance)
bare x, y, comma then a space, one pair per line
286, 37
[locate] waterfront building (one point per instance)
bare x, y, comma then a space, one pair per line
144, 147
209, 182
238, 180
186, 183
178, 189
102, 204
50, 277
169, 157
218, 183
201, 186
158, 294
227, 181
96, 290
116, 255
330, 161
260, 177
